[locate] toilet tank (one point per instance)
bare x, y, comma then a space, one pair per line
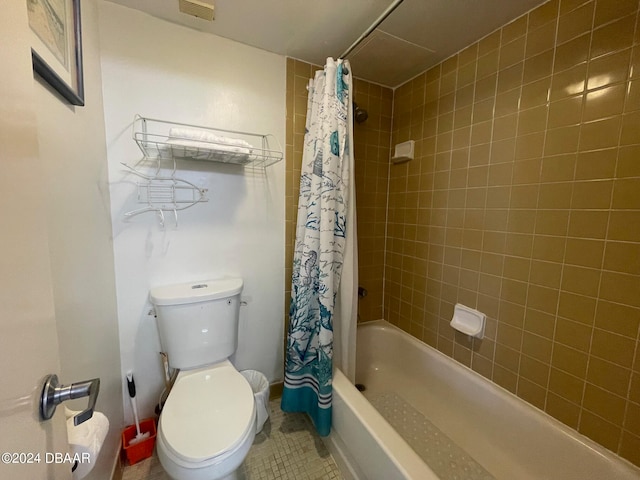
198, 322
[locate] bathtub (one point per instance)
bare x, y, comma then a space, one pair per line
462, 424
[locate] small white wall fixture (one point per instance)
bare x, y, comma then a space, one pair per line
468, 321
403, 152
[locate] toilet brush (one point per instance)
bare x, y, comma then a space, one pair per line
131, 385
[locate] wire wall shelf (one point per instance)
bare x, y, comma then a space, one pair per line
164, 143
160, 139
165, 194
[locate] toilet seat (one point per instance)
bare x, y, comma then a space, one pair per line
208, 415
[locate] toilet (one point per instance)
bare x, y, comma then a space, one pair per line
208, 422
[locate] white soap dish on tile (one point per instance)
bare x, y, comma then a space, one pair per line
404, 152
468, 321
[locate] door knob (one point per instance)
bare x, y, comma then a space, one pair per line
54, 394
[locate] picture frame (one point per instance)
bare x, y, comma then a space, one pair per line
56, 46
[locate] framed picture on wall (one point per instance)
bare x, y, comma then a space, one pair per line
56, 46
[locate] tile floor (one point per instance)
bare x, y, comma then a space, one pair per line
287, 448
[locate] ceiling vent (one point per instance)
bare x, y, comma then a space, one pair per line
197, 8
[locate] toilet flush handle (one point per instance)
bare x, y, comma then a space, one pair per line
54, 394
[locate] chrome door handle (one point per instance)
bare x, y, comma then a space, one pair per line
54, 394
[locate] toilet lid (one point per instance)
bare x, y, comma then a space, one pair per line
207, 413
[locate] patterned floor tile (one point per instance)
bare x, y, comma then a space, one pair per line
288, 448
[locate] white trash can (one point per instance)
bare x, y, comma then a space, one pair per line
260, 386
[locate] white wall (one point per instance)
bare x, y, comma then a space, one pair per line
161, 70
74, 159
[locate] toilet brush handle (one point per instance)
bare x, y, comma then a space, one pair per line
134, 407
131, 385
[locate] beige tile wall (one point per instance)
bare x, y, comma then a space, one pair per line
524, 202
372, 140
298, 75
371, 145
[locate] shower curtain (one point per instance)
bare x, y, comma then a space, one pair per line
321, 314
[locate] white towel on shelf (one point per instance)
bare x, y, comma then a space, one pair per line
202, 136
201, 145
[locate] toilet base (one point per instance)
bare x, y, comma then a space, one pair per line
232, 476
225, 470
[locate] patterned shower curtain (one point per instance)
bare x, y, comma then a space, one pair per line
319, 249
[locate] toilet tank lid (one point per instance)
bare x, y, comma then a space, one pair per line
194, 292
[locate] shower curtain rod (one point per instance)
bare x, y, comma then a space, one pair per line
373, 26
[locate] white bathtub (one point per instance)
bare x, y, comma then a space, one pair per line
504, 436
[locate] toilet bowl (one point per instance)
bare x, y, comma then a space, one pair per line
207, 425
208, 422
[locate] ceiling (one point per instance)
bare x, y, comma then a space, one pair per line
417, 35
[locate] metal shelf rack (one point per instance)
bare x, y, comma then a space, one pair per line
160, 139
